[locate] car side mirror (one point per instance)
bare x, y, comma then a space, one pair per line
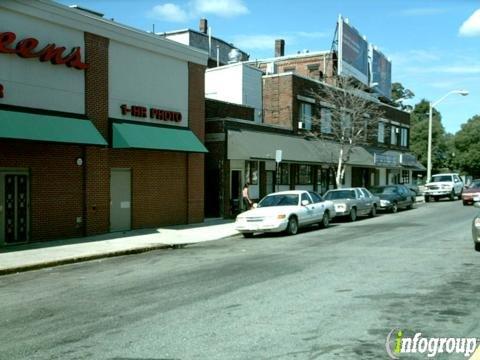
305, 202
255, 205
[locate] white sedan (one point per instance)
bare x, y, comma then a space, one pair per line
285, 211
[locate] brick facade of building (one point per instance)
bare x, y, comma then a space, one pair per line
69, 189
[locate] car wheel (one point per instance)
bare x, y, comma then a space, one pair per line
247, 235
452, 195
292, 227
427, 198
460, 195
373, 212
394, 208
465, 203
436, 198
353, 214
325, 220
477, 246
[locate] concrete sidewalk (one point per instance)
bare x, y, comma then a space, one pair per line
46, 254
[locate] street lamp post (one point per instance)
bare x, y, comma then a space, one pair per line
430, 114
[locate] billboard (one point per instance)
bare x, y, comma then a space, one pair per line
381, 73
352, 52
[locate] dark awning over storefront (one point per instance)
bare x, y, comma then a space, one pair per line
139, 136
244, 145
27, 126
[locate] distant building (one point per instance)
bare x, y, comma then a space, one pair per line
218, 49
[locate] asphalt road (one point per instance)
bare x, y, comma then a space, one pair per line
324, 294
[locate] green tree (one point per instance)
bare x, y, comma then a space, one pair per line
467, 143
399, 94
419, 136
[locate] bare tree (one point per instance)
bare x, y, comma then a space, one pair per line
351, 119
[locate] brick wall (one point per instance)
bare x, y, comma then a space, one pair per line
278, 100
159, 185
196, 162
318, 67
56, 194
97, 173
221, 109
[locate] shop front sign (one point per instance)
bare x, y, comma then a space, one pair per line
27, 48
152, 113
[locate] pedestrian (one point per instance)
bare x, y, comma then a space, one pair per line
247, 203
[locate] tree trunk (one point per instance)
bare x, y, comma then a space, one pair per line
338, 178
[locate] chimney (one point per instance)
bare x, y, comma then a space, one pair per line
279, 47
203, 26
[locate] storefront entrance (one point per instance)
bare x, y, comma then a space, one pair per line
14, 207
120, 199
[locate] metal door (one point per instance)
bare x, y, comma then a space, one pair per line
15, 209
120, 199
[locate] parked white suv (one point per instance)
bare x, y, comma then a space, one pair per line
444, 185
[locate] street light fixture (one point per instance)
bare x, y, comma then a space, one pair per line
432, 105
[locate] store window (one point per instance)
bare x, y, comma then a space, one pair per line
326, 121
381, 132
304, 175
405, 177
251, 172
306, 115
284, 176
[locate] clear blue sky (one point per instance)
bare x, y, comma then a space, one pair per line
434, 45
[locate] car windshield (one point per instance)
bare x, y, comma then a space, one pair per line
383, 190
340, 194
438, 178
279, 200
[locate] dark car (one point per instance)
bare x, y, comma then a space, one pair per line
471, 193
393, 197
476, 228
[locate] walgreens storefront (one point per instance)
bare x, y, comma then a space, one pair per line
101, 126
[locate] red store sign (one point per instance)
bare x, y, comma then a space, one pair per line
27, 48
152, 113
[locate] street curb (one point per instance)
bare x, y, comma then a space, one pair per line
86, 258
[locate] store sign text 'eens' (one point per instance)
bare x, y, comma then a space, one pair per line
27, 48
152, 113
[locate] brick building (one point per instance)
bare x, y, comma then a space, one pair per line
242, 149
101, 125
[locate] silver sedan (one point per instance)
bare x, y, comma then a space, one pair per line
353, 202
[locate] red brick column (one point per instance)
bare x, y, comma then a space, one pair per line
196, 162
97, 172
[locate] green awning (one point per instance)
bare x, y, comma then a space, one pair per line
27, 126
139, 136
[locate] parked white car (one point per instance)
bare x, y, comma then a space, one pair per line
285, 211
444, 185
